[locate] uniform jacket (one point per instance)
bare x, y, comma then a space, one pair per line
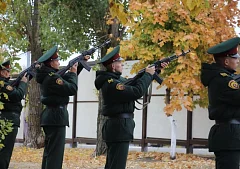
224, 105
117, 99
12, 104
55, 92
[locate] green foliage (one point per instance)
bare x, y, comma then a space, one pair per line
72, 25
5, 128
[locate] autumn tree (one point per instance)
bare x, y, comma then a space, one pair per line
160, 28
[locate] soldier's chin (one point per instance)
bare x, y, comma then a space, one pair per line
120, 72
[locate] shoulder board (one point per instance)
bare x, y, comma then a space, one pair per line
224, 74
110, 80
51, 73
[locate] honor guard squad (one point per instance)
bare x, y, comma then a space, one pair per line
118, 106
224, 103
11, 111
55, 92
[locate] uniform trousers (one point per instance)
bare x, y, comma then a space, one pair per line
6, 151
53, 147
227, 159
117, 153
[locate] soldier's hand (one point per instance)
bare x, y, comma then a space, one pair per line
150, 70
24, 78
87, 57
74, 68
37, 65
164, 64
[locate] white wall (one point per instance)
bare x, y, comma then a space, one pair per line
158, 123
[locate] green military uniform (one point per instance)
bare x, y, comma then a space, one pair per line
224, 106
12, 111
118, 105
55, 92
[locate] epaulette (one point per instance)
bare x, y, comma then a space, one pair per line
110, 80
224, 74
51, 73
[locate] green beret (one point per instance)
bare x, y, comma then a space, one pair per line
48, 55
111, 56
5, 65
226, 48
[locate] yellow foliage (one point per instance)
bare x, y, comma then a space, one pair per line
117, 10
160, 28
82, 158
3, 6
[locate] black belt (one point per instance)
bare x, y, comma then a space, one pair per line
122, 116
232, 121
56, 106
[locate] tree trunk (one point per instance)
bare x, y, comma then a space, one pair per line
34, 136
101, 147
34, 133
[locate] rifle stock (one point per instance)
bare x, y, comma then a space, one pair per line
80, 59
157, 65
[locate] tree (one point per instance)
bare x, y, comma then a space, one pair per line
160, 28
39, 25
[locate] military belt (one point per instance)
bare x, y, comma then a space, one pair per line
232, 121
122, 116
57, 106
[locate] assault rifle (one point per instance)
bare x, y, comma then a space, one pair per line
157, 65
237, 78
80, 58
30, 73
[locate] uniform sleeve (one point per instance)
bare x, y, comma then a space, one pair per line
63, 86
125, 93
230, 91
16, 94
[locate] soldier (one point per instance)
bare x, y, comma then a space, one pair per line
12, 111
118, 106
224, 105
55, 92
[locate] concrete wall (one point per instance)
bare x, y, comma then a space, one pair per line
158, 123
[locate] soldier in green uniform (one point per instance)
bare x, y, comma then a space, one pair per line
224, 103
12, 111
55, 92
118, 106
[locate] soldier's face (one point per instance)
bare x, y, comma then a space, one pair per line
5, 73
232, 63
55, 64
117, 66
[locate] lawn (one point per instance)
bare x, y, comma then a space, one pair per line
78, 158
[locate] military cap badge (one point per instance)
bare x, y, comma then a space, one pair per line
233, 84
59, 81
120, 86
8, 87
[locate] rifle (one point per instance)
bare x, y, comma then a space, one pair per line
237, 78
29, 72
157, 65
80, 58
